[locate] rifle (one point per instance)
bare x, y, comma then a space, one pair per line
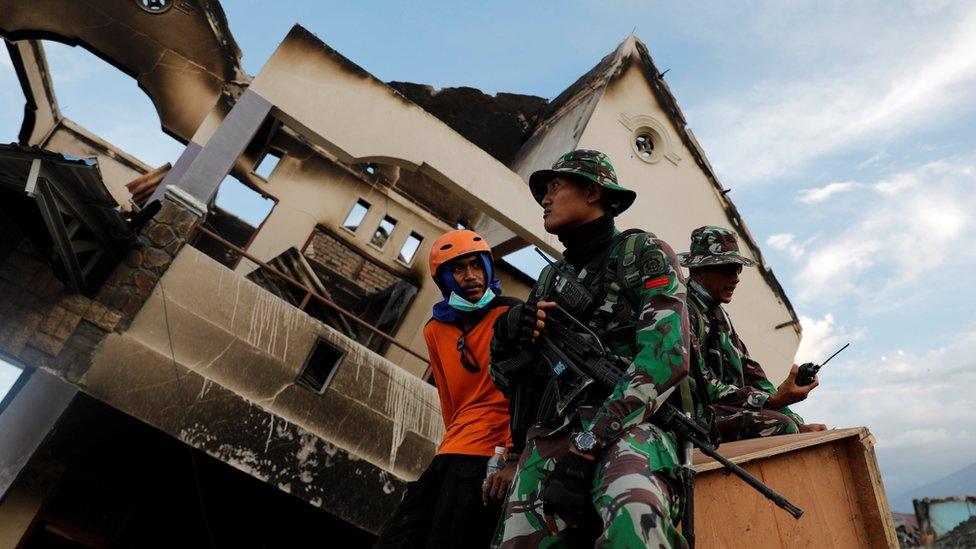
578, 359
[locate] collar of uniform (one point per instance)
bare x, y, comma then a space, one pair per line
584, 242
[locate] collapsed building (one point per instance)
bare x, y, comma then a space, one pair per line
277, 370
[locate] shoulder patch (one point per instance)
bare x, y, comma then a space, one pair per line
655, 263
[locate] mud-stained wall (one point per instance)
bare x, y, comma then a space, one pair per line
674, 197
229, 332
340, 107
313, 191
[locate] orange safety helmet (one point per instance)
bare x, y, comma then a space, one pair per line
453, 245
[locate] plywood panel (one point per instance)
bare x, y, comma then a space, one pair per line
730, 513
832, 476
869, 492
814, 479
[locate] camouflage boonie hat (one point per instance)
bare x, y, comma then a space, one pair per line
713, 246
591, 165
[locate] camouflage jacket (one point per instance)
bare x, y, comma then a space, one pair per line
641, 322
731, 376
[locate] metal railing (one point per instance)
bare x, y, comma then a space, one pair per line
310, 293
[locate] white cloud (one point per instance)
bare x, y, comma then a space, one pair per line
877, 157
819, 194
780, 126
918, 406
913, 225
822, 337
786, 242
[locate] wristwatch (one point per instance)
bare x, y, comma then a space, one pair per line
584, 441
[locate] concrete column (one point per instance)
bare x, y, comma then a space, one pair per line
198, 172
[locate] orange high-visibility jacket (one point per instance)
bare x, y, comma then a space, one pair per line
475, 413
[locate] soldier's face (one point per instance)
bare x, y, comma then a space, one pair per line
719, 281
469, 275
569, 204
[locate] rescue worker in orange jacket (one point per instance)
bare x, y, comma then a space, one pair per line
453, 504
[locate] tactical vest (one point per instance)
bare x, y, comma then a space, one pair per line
614, 280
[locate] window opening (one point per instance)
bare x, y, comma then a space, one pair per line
409, 248
236, 215
320, 366
644, 144
10, 376
383, 232
356, 215
527, 261
244, 202
267, 165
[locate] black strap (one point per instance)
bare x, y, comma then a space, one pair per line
605, 258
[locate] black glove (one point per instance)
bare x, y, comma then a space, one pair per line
515, 327
567, 488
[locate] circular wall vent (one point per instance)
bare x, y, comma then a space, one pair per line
154, 6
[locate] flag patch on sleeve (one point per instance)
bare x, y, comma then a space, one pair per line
655, 282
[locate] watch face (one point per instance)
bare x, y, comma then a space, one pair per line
584, 441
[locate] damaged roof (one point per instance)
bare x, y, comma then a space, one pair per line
181, 53
492, 123
497, 123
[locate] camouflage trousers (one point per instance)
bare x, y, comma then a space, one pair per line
735, 423
638, 507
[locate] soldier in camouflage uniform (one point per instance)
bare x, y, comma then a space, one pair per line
737, 395
606, 454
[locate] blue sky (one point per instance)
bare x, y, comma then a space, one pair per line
844, 131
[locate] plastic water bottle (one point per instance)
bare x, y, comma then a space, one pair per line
497, 461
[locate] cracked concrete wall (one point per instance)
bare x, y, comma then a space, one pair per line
673, 198
229, 332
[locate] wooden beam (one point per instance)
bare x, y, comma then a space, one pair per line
59, 234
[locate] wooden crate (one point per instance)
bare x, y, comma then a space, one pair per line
832, 475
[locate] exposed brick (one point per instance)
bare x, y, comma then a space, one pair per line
67, 325
133, 258
160, 235
144, 281
131, 305
35, 358
155, 259
75, 357
18, 328
47, 343
112, 296
52, 319
109, 320
166, 214
75, 303
184, 223
50, 287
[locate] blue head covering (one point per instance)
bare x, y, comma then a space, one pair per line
443, 310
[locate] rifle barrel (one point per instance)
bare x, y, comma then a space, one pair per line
766, 491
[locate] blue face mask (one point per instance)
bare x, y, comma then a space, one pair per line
461, 304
